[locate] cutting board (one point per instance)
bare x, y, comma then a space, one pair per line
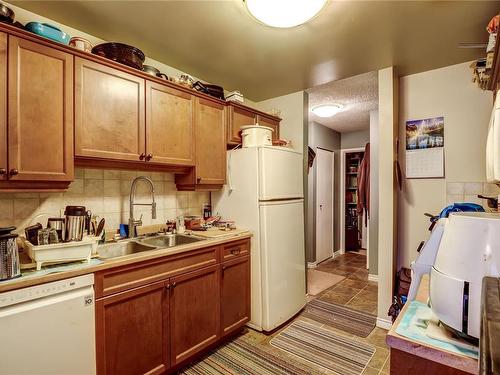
217, 233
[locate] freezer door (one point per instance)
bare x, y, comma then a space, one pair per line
281, 172
283, 261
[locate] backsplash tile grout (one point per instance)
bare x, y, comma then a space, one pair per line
106, 194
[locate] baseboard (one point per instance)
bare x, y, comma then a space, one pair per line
384, 323
338, 252
312, 264
373, 278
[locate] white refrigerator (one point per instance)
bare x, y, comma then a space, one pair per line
264, 194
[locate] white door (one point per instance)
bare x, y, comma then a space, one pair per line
280, 174
324, 204
283, 261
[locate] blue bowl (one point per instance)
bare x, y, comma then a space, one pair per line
48, 31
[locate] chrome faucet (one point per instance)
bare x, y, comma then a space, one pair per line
132, 223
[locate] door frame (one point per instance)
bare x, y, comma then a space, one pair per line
316, 211
343, 153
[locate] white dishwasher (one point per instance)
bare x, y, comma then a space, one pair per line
49, 329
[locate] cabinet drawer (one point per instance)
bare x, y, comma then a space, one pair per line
131, 276
235, 249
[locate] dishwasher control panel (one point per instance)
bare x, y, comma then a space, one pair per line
44, 290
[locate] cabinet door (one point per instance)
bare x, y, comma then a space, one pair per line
238, 117
210, 143
169, 125
235, 294
132, 331
109, 112
3, 106
194, 312
40, 103
271, 123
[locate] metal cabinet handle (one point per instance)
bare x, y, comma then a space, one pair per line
149, 157
236, 251
224, 268
13, 172
142, 156
3, 171
167, 286
173, 284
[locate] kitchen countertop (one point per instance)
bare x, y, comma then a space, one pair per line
26, 281
424, 350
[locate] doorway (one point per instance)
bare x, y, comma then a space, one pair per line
324, 204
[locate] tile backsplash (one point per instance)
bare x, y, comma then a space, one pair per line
468, 191
106, 194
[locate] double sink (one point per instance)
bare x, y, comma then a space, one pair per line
138, 245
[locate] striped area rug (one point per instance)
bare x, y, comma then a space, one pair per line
339, 354
348, 320
242, 358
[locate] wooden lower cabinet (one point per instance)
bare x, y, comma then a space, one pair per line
133, 331
161, 326
194, 312
235, 294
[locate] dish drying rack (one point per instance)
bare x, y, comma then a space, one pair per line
61, 252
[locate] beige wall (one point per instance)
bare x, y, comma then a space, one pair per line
106, 194
355, 139
446, 92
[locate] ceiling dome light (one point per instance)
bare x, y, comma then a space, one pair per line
327, 110
284, 13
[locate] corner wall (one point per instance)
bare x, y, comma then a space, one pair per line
447, 92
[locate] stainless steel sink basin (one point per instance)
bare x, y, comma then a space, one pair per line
170, 240
119, 249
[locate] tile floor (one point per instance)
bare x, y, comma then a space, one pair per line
354, 291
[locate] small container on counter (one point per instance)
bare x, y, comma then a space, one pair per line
74, 223
10, 266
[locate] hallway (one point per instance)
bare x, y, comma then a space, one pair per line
355, 290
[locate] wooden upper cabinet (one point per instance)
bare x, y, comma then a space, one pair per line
109, 112
40, 112
238, 117
3, 106
169, 125
210, 143
132, 331
235, 294
194, 312
271, 123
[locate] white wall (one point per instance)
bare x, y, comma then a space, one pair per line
373, 227
388, 224
292, 113
446, 92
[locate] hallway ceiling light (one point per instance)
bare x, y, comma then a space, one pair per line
284, 13
327, 110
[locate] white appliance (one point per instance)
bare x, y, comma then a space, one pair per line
462, 250
265, 195
256, 135
49, 328
493, 144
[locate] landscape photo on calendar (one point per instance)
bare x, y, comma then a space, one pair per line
425, 133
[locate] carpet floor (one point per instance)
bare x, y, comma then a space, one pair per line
351, 321
338, 354
243, 358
